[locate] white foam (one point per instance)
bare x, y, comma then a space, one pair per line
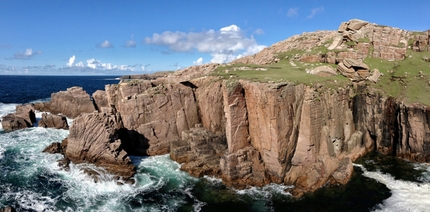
406, 195
266, 191
6, 109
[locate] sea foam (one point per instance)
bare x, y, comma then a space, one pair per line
406, 195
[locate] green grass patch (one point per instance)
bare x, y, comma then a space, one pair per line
285, 70
407, 80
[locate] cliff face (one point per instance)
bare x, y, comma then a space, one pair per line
254, 133
251, 133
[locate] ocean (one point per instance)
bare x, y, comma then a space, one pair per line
32, 181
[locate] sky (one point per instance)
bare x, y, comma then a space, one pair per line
94, 37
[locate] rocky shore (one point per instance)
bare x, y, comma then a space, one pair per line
250, 133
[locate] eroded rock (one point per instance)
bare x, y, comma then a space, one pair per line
23, 117
53, 121
94, 139
71, 103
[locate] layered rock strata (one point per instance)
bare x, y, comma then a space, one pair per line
53, 121
251, 133
95, 138
248, 133
71, 103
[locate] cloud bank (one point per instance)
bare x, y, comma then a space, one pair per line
224, 45
27, 55
96, 66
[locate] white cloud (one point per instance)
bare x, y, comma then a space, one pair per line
71, 61
130, 43
106, 44
224, 45
259, 32
27, 55
198, 61
293, 12
315, 11
80, 64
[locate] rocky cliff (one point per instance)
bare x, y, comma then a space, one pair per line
254, 132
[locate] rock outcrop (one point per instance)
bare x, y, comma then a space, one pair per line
355, 39
23, 117
323, 71
353, 69
70, 103
94, 138
53, 121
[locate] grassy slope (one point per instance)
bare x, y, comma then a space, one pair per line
401, 79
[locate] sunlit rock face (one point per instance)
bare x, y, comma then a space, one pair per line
252, 133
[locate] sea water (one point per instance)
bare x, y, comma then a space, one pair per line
32, 181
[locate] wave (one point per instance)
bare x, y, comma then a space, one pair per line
406, 195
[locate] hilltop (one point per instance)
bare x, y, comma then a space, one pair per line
393, 61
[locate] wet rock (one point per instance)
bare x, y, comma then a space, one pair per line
94, 139
24, 117
12, 122
54, 148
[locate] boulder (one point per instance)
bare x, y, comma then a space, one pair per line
343, 27
353, 69
53, 121
12, 122
94, 139
347, 72
323, 71
27, 112
23, 117
374, 76
355, 64
356, 24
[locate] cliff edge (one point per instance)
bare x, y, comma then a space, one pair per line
299, 112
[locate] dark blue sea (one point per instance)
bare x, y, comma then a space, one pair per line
32, 181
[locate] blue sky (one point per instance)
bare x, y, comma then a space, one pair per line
92, 37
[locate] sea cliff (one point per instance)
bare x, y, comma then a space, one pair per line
269, 117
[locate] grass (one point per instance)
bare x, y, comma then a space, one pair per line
283, 71
402, 79
407, 80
